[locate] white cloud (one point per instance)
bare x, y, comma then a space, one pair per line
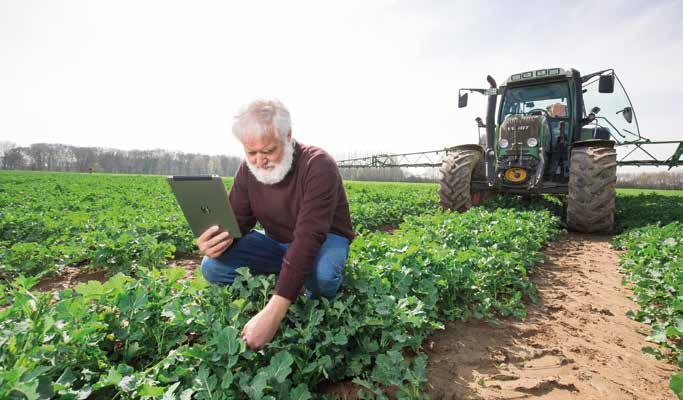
359, 75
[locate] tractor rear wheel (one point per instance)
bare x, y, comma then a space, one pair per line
457, 171
592, 180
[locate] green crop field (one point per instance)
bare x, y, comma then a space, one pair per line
149, 333
634, 192
652, 223
122, 222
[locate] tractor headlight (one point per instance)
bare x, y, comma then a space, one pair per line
532, 142
504, 143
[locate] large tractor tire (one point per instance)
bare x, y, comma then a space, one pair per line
592, 180
457, 171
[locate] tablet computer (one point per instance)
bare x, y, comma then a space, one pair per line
204, 201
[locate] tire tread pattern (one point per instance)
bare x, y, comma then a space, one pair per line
456, 176
592, 193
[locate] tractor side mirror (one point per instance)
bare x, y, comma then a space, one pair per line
462, 100
627, 113
606, 84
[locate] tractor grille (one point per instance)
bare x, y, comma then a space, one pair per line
518, 129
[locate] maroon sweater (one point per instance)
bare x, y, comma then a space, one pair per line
302, 209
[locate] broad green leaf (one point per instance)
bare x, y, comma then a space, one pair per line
227, 379
28, 389
151, 390
187, 394
676, 384
169, 393
300, 392
280, 366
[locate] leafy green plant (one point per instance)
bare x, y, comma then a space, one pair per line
653, 264
157, 336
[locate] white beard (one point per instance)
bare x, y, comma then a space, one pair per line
277, 172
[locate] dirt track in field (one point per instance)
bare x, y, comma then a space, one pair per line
576, 342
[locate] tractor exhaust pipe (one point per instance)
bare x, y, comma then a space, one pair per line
490, 131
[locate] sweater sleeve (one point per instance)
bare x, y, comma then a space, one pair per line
239, 200
313, 223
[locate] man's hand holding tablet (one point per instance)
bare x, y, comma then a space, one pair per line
213, 242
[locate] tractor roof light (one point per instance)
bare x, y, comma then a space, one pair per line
538, 74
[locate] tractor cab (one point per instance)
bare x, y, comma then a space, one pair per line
533, 122
549, 101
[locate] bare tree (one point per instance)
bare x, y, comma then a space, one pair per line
5, 146
651, 180
15, 158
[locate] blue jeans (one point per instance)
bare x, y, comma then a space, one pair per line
263, 255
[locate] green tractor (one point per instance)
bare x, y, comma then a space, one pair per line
546, 131
541, 137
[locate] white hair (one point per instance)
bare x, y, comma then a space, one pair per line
260, 118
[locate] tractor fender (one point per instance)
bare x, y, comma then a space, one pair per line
594, 143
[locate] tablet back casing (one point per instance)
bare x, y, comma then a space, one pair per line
204, 202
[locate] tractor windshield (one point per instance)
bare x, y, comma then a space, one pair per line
550, 99
615, 112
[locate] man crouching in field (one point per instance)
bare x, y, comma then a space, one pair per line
295, 192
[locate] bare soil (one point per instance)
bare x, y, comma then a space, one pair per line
70, 276
188, 262
576, 342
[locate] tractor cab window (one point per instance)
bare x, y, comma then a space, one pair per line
614, 115
550, 100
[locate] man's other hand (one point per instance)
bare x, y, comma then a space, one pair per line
262, 327
213, 242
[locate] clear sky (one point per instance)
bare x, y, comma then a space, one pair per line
356, 75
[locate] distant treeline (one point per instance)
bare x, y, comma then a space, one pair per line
61, 157
651, 180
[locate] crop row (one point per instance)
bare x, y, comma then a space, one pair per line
158, 336
653, 265
51, 220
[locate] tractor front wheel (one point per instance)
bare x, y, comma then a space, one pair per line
592, 181
457, 171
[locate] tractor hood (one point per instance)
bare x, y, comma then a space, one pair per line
517, 130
